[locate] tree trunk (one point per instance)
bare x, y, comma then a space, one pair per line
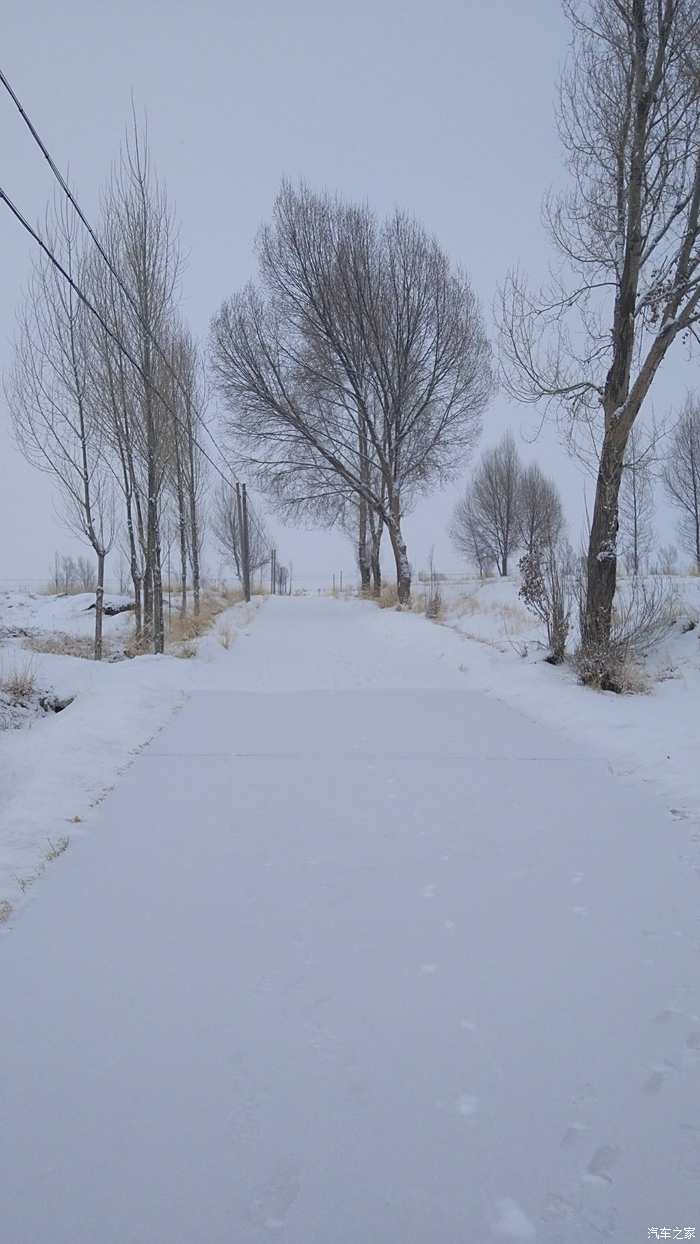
602, 549
376, 574
403, 569
194, 552
99, 604
158, 618
147, 581
364, 555
182, 524
376, 526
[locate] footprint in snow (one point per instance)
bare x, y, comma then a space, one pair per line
511, 1222
655, 1080
666, 1015
574, 1134
428, 969
429, 890
603, 1161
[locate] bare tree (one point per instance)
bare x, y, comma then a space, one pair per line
359, 333
117, 393
52, 401
181, 384
540, 517
628, 230
139, 233
468, 538
226, 526
681, 476
493, 499
637, 501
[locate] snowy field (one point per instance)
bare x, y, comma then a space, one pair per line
359, 948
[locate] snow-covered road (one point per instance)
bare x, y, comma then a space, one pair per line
356, 956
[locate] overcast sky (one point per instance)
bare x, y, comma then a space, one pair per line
446, 109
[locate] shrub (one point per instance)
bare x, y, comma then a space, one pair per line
546, 591
642, 617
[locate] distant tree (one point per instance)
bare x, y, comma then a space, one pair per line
493, 501
468, 537
226, 527
637, 502
681, 476
539, 510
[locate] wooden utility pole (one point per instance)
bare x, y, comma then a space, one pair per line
243, 539
245, 545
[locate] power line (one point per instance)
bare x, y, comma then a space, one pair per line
115, 273
110, 333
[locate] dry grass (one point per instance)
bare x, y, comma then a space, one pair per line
389, 597
62, 644
188, 628
513, 617
19, 681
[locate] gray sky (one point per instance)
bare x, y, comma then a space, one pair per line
446, 109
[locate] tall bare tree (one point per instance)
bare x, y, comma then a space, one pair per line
359, 331
139, 231
681, 476
117, 395
181, 383
52, 399
629, 232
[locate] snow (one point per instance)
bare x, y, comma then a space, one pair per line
54, 775
653, 737
388, 934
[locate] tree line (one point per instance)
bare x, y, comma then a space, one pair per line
108, 394
355, 371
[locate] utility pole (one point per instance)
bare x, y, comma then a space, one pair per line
243, 540
245, 545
